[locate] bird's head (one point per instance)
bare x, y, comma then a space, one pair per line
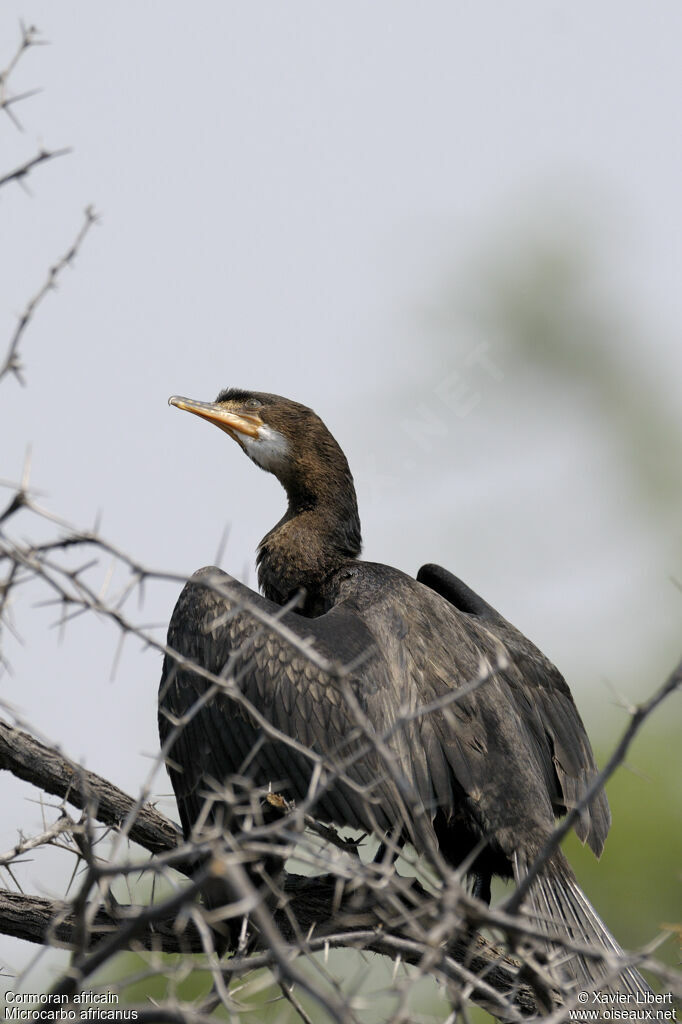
282, 437
256, 421
321, 528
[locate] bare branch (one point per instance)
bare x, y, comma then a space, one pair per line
357, 918
20, 173
356, 923
46, 768
63, 824
11, 363
29, 37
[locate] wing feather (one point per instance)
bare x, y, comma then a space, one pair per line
273, 694
541, 704
447, 702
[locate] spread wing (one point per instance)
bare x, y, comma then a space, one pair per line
283, 713
255, 698
545, 718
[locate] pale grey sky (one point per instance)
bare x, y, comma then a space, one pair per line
289, 194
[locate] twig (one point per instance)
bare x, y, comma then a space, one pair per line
22, 172
491, 972
29, 38
43, 766
11, 362
63, 824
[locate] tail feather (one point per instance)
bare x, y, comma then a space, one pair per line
558, 906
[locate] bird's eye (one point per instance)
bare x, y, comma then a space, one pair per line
253, 403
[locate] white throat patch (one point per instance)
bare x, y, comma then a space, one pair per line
268, 450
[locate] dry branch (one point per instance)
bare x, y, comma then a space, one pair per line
30, 36
23, 170
311, 902
44, 767
11, 362
311, 906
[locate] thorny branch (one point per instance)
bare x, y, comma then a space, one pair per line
11, 362
20, 173
30, 36
354, 917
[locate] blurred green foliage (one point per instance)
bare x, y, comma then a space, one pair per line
637, 885
547, 302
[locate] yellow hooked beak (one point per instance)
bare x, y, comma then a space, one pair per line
233, 423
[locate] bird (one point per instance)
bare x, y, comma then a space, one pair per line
403, 707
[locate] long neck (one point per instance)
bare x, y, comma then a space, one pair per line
319, 532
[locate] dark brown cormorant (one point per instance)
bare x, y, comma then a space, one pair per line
485, 744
